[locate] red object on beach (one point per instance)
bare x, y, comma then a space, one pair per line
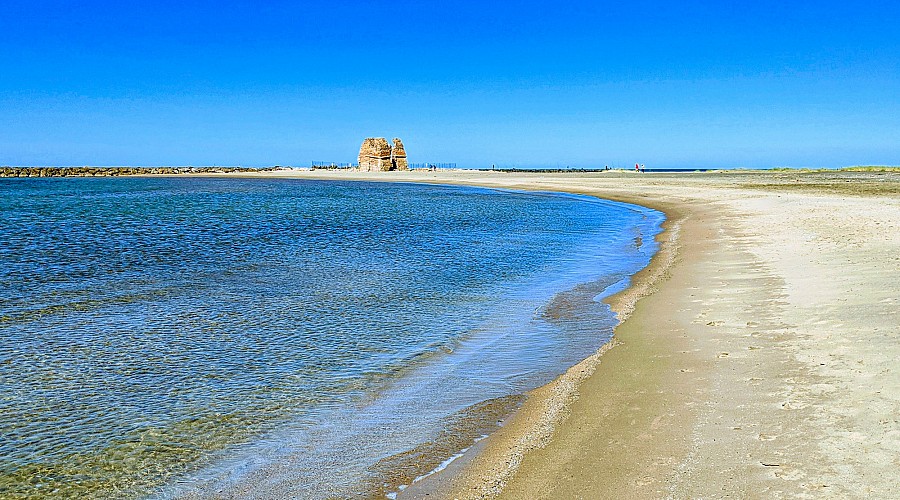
636, 167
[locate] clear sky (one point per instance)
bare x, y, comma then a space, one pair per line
582, 84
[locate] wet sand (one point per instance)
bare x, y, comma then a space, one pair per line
757, 357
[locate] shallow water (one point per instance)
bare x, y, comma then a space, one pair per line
165, 335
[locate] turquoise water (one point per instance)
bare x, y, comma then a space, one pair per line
175, 336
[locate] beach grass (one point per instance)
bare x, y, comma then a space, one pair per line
871, 168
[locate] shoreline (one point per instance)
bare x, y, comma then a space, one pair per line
647, 251
486, 470
762, 365
532, 425
397, 467
544, 407
547, 406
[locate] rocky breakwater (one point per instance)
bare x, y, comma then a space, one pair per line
398, 156
117, 171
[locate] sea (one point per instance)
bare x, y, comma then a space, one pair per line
187, 337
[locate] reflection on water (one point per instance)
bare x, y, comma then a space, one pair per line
146, 324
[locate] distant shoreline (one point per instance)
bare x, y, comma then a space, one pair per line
122, 171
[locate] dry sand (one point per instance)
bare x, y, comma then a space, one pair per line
760, 359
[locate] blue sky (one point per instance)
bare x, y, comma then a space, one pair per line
582, 84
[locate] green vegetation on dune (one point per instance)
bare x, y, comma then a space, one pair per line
871, 168
855, 168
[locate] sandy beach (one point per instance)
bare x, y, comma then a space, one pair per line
756, 359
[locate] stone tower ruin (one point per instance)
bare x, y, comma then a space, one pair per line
376, 155
398, 156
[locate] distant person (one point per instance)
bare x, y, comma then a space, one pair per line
642, 168
637, 168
